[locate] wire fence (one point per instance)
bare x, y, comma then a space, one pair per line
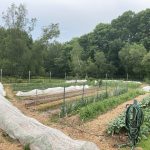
102, 91
31, 78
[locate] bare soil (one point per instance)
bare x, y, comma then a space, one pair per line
42, 99
7, 143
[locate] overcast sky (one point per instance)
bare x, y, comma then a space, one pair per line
75, 17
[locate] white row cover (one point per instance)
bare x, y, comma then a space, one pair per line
76, 81
2, 91
55, 90
29, 131
137, 82
146, 88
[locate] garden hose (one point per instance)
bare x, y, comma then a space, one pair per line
133, 121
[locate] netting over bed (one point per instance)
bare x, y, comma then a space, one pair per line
29, 131
55, 90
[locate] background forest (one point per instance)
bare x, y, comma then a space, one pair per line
119, 48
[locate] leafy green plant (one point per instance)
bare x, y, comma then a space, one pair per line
118, 125
74, 107
92, 110
27, 147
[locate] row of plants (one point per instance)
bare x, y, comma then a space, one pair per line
42, 85
118, 125
46, 83
93, 110
129, 84
75, 106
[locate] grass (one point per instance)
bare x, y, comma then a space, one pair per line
27, 147
121, 83
41, 84
93, 110
145, 144
31, 86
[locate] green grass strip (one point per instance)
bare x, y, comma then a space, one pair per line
145, 143
93, 110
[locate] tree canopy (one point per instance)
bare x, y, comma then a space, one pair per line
116, 48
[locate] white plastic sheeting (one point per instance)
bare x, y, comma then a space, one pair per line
29, 131
55, 90
2, 91
76, 81
146, 88
136, 82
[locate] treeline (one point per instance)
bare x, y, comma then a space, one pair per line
117, 49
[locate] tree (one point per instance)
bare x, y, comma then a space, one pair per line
44, 49
62, 62
91, 68
101, 63
146, 64
131, 57
16, 52
50, 32
16, 18
76, 62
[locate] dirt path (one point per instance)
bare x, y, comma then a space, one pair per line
90, 131
7, 143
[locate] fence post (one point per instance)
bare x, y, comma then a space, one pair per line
50, 74
65, 76
1, 75
106, 85
36, 97
98, 86
64, 100
83, 91
127, 76
86, 76
106, 76
127, 81
29, 76
76, 77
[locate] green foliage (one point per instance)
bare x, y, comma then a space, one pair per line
75, 106
111, 38
41, 84
50, 32
16, 18
27, 147
131, 57
76, 62
144, 143
146, 64
118, 125
104, 50
95, 109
